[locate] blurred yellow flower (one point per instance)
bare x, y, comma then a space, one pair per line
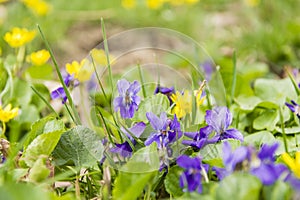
39, 58
19, 37
86, 70
99, 57
183, 103
154, 4
128, 4
252, 3
199, 94
294, 164
39, 7
191, 2
81, 71
7, 113
2, 1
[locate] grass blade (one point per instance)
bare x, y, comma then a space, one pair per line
78, 122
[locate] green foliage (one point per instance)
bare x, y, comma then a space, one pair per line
172, 181
144, 160
157, 104
278, 191
212, 153
39, 171
79, 146
130, 185
239, 186
42, 145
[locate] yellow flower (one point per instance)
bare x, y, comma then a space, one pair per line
99, 57
86, 70
252, 3
191, 2
198, 94
294, 164
19, 37
7, 113
39, 7
128, 4
39, 58
183, 103
81, 71
154, 4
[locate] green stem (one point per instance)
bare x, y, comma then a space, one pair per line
44, 100
107, 54
77, 118
3, 131
142, 80
233, 86
283, 131
293, 82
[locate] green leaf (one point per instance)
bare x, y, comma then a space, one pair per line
275, 91
278, 191
40, 72
259, 138
29, 114
42, 145
14, 191
79, 146
239, 186
39, 171
45, 125
172, 181
157, 104
292, 143
290, 130
212, 153
22, 92
144, 160
129, 186
247, 103
267, 120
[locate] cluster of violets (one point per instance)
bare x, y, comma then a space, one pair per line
167, 131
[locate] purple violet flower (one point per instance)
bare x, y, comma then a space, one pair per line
200, 138
261, 164
127, 101
208, 69
192, 176
166, 130
166, 91
60, 92
219, 119
294, 107
124, 149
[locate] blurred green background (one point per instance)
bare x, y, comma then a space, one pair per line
258, 30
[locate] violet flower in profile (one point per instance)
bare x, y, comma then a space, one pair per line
194, 171
166, 91
127, 101
219, 119
294, 107
124, 149
200, 138
166, 130
60, 92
